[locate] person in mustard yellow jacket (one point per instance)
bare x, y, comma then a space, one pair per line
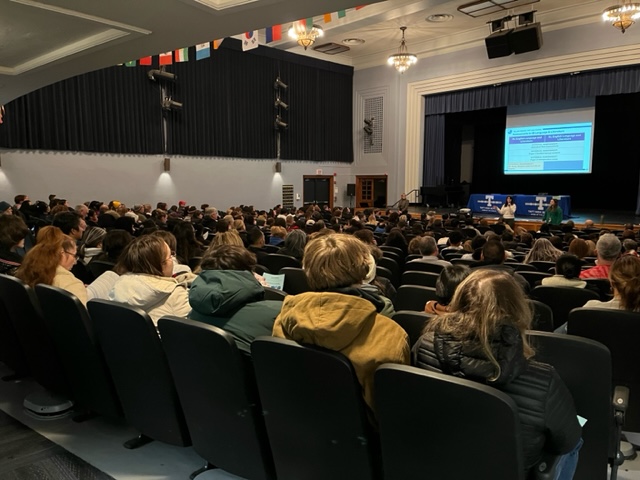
338, 314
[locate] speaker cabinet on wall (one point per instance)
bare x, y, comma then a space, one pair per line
526, 39
351, 189
498, 44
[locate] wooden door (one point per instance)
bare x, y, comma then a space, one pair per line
371, 191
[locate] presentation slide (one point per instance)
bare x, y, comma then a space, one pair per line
548, 149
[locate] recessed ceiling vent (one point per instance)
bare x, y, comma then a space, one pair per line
331, 48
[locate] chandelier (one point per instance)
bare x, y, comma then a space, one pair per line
304, 33
403, 59
622, 16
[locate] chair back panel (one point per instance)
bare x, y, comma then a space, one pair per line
427, 418
295, 281
562, 300
275, 261
414, 297
393, 267
423, 267
585, 368
314, 412
217, 390
413, 323
424, 279
619, 332
140, 371
26, 317
542, 317
11, 352
74, 337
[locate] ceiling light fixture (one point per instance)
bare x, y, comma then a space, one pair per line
622, 16
304, 33
403, 59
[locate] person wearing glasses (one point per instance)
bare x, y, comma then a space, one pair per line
146, 279
50, 262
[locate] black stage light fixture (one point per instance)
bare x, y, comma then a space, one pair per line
162, 75
169, 104
280, 84
278, 124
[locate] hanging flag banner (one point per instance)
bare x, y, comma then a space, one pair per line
131, 63
145, 61
361, 6
327, 17
182, 55
250, 40
217, 43
274, 33
203, 51
166, 58
342, 13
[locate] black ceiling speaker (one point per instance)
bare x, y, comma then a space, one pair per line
498, 44
526, 39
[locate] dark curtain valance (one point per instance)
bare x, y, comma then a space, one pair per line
228, 109
561, 87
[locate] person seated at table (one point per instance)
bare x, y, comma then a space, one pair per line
336, 315
483, 338
553, 213
227, 295
607, 251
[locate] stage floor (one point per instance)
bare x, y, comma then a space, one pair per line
599, 217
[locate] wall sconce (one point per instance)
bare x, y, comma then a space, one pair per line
161, 75
169, 104
280, 84
167, 164
279, 124
278, 167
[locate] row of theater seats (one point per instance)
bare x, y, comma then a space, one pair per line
289, 411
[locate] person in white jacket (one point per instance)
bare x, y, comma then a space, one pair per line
146, 279
508, 211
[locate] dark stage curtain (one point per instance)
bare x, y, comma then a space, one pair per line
113, 110
434, 148
228, 109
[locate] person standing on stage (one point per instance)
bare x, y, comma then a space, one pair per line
403, 204
508, 211
553, 215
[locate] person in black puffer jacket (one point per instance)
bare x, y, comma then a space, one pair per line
483, 339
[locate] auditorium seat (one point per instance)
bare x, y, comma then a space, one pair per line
274, 294
533, 278
413, 297
562, 300
295, 281
11, 351
393, 267
275, 261
314, 412
413, 323
218, 392
140, 372
425, 279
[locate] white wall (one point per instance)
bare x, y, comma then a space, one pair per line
79, 177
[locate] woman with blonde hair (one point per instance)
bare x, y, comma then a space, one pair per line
624, 275
542, 251
483, 339
278, 234
230, 237
50, 262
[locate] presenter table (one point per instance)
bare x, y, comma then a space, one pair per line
526, 205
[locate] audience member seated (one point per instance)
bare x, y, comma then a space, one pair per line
13, 231
493, 257
336, 316
50, 262
476, 246
227, 295
579, 248
294, 244
113, 244
187, 246
256, 244
71, 224
181, 272
92, 243
448, 280
607, 250
396, 239
426, 246
630, 247
278, 234
568, 268
146, 281
624, 275
542, 251
483, 339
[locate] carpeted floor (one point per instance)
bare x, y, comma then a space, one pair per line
27, 455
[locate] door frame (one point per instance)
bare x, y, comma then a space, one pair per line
331, 184
359, 179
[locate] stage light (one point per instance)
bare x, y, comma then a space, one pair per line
169, 104
368, 128
279, 124
167, 164
280, 104
280, 84
161, 75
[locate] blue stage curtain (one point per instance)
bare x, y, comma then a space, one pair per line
433, 172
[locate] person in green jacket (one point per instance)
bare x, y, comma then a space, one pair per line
227, 295
553, 214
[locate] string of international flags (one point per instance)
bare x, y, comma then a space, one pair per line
249, 41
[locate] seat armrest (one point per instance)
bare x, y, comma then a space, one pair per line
620, 398
546, 467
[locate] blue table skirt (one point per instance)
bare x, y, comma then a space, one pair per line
526, 205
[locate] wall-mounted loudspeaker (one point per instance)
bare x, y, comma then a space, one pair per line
278, 167
351, 189
498, 44
526, 39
